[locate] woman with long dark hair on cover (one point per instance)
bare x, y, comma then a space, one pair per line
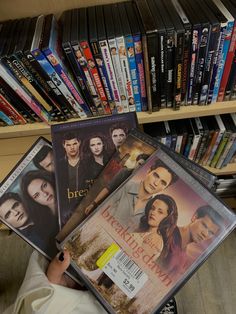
95, 155
157, 228
38, 193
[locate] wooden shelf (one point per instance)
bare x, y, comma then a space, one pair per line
143, 117
229, 169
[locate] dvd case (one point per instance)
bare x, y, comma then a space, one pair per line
130, 52
51, 47
91, 64
82, 63
137, 247
81, 150
103, 71
66, 21
137, 147
28, 199
114, 52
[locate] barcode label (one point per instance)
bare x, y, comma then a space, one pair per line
124, 272
130, 265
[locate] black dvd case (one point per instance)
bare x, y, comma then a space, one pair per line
178, 53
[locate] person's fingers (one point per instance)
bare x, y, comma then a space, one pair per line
57, 267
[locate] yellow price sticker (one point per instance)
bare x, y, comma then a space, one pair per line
107, 255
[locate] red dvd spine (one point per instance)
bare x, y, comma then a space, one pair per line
11, 112
95, 74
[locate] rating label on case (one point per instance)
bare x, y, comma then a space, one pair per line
123, 271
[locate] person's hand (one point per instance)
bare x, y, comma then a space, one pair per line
56, 269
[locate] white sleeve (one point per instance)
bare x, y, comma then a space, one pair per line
38, 296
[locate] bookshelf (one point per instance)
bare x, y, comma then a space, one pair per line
23, 8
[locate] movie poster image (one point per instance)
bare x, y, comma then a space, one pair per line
148, 237
81, 150
28, 199
132, 153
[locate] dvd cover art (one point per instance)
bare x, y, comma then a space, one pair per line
81, 150
28, 203
148, 237
137, 147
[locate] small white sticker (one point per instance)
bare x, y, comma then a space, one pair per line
125, 273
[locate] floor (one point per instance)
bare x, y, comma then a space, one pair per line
211, 290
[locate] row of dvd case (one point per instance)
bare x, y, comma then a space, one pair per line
167, 53
105, 59
209, 141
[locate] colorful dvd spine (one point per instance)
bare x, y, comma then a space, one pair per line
129, 43
94, 72
203, 46
119, 76
29, 82
89, 78
140, 70
5, 118
194, 52
10, 111
230, 82
77, 101
227, 67
103, 44
22, 93
48, 68
222, 58
215, 33
49, 90
125, 70
215, 64
105, 77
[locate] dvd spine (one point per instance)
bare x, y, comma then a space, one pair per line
32, 86
44, 79
193, 61
77, 101
10, 111
80, 77
129, 44
11, 81
139, 56
147, 73
48, 68
178, 70
216, 63
153, 70
227, 148
125, 70
45, 89
228, 64
214, 38
89, 78
104, 76
103, 44
17, 102
140, 70
222, 59
119, 75
231, 79
170, 68
203, 48
220, 149
95, 74
4, 117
